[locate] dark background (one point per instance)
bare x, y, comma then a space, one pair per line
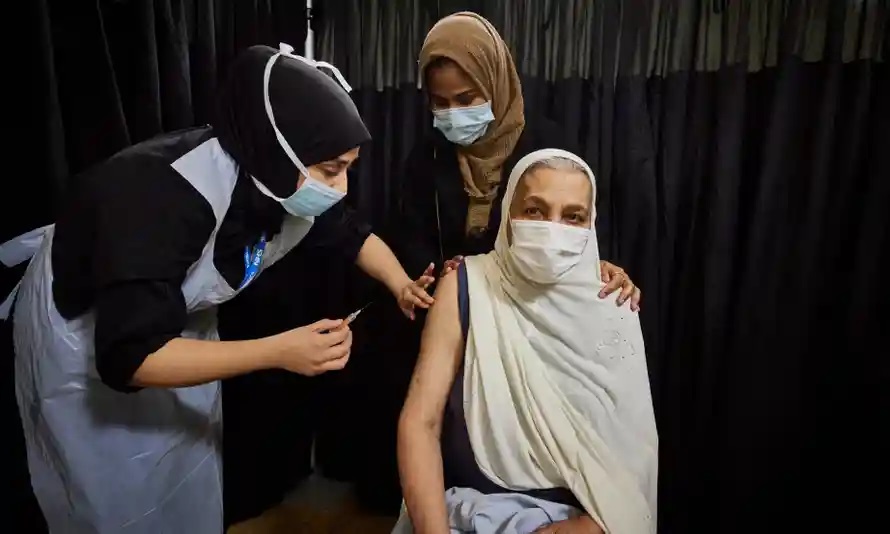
742, 151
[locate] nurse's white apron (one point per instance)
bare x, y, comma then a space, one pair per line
102, 461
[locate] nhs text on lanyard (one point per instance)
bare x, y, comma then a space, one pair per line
252, 261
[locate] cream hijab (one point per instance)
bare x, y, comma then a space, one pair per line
556, 389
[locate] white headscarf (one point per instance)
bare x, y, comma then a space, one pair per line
556, 389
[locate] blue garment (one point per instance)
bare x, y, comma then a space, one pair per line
502, 513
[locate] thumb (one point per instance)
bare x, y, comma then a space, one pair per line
325, 324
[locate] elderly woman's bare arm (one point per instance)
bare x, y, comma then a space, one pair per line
420, 453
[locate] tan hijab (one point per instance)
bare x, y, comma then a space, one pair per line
476, 47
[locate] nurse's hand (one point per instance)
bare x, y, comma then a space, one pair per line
316, 348
615, 278
414, 293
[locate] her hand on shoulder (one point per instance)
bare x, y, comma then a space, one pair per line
615, 278
579, 525
316, 348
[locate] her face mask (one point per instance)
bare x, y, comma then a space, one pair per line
545, 251
313, 197
464, 126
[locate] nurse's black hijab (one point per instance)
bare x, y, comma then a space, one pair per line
312, 110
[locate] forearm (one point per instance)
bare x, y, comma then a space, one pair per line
186, 362
420, 470
377, 260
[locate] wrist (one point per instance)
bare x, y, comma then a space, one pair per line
270, 352
398, 282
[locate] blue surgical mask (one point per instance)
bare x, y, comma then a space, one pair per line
311, 199
464, 126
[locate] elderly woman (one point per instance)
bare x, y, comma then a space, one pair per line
530, 409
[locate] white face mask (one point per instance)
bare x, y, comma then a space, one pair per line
545, 251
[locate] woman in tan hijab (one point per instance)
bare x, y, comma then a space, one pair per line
450, 195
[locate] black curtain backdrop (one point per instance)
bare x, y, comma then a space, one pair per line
749, 203
97, 77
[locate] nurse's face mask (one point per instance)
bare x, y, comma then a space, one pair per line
319, 186
549, 223
460, 111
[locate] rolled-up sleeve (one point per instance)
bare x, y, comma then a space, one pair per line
134, 320
150, 228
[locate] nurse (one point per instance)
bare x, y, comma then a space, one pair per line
118, 360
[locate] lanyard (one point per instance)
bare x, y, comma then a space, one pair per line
438, 217
252, 261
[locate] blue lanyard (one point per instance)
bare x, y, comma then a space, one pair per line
252, 261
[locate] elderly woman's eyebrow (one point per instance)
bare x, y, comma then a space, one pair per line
578, 207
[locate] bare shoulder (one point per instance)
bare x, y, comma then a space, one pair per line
446, 289
443, 320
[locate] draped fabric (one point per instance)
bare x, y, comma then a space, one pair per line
741, 151
98, 77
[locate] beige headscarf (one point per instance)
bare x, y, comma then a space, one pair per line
477, 48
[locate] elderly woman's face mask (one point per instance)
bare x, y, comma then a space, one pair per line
550, 219
460, 111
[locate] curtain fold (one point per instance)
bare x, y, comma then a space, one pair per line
741, 152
